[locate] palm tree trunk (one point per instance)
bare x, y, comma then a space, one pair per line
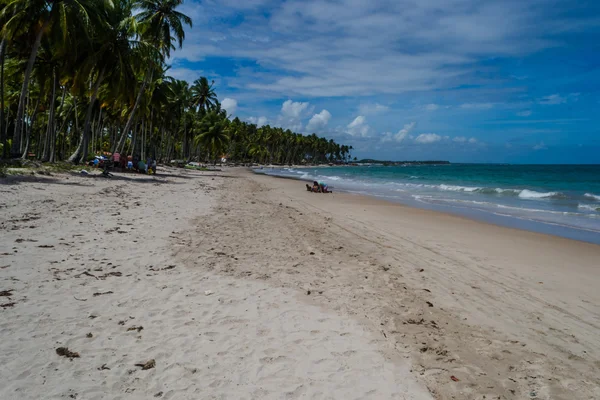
49, 129
75, 133
142, 144
23, 128
161, 148
81, 153
125, 132
29, 129
3, 135
98, 131
16, 145
133, 139
150, 132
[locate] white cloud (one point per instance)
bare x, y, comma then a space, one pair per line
358, 127
260, 121
477, 106
555, 99
431, 107
462, 139
525, 113
186, 74
230, 105
427, 138
292, 113
318, 121
401, 135
293, 109
540, 146
372, 109
352, 48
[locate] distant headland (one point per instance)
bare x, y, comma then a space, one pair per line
393, 163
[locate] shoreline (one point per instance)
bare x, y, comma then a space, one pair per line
508, 221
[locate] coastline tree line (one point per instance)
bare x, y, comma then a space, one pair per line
84, 77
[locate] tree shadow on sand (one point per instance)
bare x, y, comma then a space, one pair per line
13, 180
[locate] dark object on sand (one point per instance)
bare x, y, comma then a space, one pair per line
101, 293
7, 293
6, 305
135, 328
65, 352
148, 365
430, 304
455, 379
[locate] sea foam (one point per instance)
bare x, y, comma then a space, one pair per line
592, 196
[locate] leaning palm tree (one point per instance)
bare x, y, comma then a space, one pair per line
160, 25
213, 134
203, 94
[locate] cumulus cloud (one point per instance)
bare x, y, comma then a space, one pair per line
292, 113
258, 121
230, 105
358, 127
293, 109
472, 140
401, 135
372, 109
525, 113
319, 121
431, 107
427, 138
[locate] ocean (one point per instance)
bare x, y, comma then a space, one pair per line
562, 200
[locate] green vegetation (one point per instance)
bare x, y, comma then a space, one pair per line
85, 77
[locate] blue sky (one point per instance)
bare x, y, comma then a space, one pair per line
462, 80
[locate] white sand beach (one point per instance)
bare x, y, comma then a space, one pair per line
228, 285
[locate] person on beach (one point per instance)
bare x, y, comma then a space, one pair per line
316, 188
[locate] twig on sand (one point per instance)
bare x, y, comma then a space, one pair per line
79, 299
135, 328
86, 273
101, 293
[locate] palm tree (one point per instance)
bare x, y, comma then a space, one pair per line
203, 94
113, 56
158, 20
41, 16
213, 134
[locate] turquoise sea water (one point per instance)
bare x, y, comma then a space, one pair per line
558, 199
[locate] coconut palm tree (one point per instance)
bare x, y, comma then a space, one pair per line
203, 94
213, 134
